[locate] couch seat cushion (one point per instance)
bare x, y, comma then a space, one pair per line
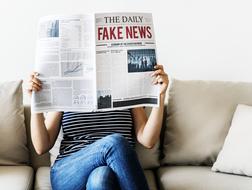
199, 178
149, 174
42, 180
16, 177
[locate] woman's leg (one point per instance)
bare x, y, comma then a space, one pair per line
102, 178
122, 159
72, 172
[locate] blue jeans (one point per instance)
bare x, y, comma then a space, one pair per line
109, 163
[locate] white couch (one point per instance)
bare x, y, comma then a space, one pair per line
196, 122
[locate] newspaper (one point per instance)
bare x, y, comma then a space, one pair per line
95, 62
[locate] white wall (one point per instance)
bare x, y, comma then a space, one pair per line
196, 39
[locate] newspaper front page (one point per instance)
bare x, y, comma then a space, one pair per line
95, 62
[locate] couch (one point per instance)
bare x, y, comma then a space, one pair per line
196, 121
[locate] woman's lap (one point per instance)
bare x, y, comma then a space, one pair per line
72, 172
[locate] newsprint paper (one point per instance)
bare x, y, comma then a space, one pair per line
95, 62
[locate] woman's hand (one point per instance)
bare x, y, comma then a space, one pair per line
44, 131
34, 84
160, 77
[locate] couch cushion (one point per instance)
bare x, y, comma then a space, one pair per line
198, 119
236, 154
149, 174
42, 180
16, 177
148, 158
198, 178
13, 150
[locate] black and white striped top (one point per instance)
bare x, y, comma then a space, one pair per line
81, 129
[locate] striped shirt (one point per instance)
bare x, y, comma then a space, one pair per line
81, 129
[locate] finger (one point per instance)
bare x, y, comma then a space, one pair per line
164, 78
159, 67
36, 81
36, 87
33, 86
34, 74
160, 79
155, 81
158, 72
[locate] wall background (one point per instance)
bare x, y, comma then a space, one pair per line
195, 39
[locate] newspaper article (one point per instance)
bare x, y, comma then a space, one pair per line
95, 62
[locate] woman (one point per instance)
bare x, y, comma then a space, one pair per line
96, 151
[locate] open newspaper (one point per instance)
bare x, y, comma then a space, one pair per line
95, 62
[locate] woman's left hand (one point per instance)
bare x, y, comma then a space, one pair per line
161, 78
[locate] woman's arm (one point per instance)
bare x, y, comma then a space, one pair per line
44, 131
148, 129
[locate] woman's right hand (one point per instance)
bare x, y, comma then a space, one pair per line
44, 131
34, 84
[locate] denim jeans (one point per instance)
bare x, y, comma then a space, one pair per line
105, 164
102, 178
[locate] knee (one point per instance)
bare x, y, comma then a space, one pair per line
117, 140
102, 177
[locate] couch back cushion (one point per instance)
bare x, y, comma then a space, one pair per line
198, 118
13, 149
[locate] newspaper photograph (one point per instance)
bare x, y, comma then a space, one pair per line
95, 62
